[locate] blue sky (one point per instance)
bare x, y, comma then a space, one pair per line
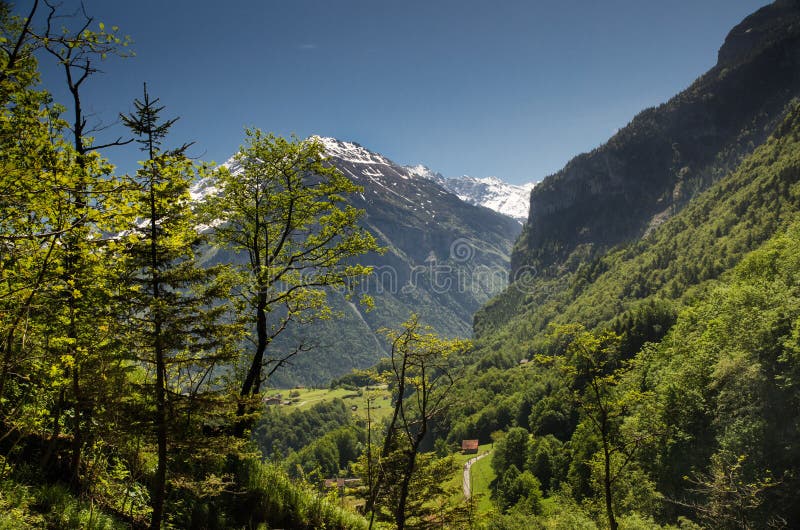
506, 88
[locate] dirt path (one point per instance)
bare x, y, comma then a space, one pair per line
466, 482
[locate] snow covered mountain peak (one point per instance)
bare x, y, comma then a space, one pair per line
425, 172
350, 151
490, 192
510, 199
489, 181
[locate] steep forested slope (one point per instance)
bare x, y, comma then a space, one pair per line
703, 422
637, 288
670, 358
708, 237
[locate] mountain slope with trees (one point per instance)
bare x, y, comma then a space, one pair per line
660, 382
657, 387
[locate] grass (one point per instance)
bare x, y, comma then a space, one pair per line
285, 503
269, 496
50, 506
461, 458
305, 398
482, 474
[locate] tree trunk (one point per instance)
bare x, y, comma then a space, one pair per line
252, 383
388, 440
72, 334
160, 478
77, 433
72, 274
612, 522
400, 512
52, 445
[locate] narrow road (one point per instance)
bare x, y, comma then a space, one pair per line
467, 485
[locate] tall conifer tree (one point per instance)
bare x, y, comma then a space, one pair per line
178, 326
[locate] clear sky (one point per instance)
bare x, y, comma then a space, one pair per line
506, 88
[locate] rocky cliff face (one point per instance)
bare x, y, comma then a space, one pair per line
652, 167
762, 29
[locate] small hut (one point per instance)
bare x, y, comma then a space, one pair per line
469, 446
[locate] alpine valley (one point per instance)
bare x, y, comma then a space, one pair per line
616, 347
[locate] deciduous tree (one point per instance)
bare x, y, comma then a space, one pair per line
284, 206
594, 370
422, 377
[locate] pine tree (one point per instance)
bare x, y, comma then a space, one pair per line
179, 326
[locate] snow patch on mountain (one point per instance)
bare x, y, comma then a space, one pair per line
491, 192
208, 185
202, 189
508, 199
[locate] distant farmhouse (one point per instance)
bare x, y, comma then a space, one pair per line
469, 446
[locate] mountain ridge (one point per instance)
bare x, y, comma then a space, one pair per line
667, 154
489, 192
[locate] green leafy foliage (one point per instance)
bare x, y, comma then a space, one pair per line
330, 455
278, 432
116, 347
650, 384
400, 488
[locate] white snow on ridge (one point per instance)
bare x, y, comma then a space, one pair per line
508, 199
202, 189
425, 172
207, 186
350, 152
511, 200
